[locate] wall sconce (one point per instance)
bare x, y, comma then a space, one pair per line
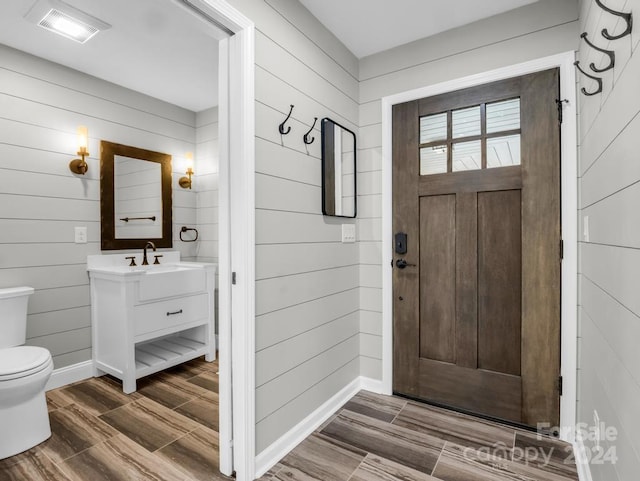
79, 166
185, 182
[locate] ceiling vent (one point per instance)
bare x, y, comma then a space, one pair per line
63, 19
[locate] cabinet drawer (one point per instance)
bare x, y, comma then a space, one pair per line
167, 314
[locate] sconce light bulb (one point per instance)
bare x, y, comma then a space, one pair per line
79, 166
83, 137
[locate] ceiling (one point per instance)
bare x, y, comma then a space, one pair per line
160, 49
370, 26
154, 47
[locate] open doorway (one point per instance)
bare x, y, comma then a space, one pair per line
94, 102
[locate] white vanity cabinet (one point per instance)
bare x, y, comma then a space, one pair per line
146, 319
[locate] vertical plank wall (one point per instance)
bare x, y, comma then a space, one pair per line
307, 322
41, 201
609, 311
537, 30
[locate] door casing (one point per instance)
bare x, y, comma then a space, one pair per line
237, 219
569, 211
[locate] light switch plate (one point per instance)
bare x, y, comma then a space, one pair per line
81, 235
348, 233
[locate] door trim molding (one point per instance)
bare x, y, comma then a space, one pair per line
236, 221
569, 209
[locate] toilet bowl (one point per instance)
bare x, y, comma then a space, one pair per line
24, 372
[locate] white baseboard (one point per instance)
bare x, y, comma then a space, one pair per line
582, 462
279, 449
371, 385
70, 374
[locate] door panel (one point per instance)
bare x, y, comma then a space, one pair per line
466, 388
499, 281
437, 282
476, 317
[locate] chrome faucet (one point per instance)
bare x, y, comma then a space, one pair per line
145, 262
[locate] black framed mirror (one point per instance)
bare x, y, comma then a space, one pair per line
135, 197
338, 170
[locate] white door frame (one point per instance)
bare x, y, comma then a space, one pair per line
236, 221
569, 213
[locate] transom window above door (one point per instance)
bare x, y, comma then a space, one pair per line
482, 136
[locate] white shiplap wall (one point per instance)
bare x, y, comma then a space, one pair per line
206, 184
541, 29
307, 281
41, 201
609, 311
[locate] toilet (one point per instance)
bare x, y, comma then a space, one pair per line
24, 372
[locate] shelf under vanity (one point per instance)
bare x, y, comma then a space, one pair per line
147, 319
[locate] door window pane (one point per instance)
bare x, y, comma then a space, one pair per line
503, 116
433, 127
467, 156
466, 122
503, 151
433, 160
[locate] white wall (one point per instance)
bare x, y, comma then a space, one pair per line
609, 311
41, 201
206, 184
307, 319
538, 30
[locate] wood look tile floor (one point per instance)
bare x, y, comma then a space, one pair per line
165, 431
382, 438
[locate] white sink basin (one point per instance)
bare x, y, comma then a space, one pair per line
156, 281
171, 280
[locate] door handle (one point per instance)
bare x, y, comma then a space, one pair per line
401, 264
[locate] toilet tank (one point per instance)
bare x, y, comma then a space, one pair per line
13, 315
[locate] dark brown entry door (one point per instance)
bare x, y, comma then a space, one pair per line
476, 190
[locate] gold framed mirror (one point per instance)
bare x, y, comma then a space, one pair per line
135, 197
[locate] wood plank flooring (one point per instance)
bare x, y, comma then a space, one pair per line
167, 431
382, 438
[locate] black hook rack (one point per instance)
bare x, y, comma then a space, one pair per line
610, 53
281, 126
626, 16
306, 136
597, 79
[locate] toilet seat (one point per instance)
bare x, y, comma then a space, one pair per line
22, 361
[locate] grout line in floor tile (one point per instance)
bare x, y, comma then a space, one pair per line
357, 467
171, 442
438, 460
398, 413
85, 450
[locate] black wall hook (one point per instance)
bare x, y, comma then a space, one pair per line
597, 79
281, 126
626, 16
610, 53
306, 136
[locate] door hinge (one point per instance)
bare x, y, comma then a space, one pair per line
560, 385
559, 104
561, 249
233, 278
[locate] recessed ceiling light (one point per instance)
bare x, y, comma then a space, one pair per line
65, 20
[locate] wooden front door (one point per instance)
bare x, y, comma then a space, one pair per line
476, 190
